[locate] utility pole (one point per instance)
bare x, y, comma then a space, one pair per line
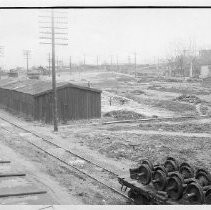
135, 62
27, 54
57, 64
129, 60
84, 59
54, 73
191, 69
49, 64
53, 32
117, 62
70, 65
1, 51
1, 55
111, 60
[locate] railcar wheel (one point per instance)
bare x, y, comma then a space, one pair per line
145, 174
174, 186
208, 196
171, 164
203, 177
186, 170
149, 163
194, 193
159, 180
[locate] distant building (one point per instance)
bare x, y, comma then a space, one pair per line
205, 71
205, 56
13, 73
207, 82
205, 63
33, 74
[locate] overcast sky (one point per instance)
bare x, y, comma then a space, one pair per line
151, 33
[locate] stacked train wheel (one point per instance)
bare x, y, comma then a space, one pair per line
179, 182
199, 191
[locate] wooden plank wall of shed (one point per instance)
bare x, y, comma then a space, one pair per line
17, 102
73, 104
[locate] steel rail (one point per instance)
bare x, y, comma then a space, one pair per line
59, 159
66, 150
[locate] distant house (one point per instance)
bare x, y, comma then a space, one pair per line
43, 71
34, 74
205, 63
13, 73
205, 71
207, 82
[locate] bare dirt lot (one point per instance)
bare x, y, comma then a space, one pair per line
66, 186
122, 145
148, 97
124, 93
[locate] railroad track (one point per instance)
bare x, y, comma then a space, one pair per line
94, 171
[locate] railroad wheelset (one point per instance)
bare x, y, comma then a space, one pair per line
174, 181
171, 164
143, 173
199, 191
177, 181
161, 173
157, 174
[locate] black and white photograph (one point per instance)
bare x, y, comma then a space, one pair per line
104, 103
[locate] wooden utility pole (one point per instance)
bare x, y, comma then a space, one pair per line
84, 59
129, 60
135, 63
57, 64
54, 74
52, 37
49, 64
70, 65
27, 54
1, 51
117, 62
1, 55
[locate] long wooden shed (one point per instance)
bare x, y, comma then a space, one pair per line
34, 98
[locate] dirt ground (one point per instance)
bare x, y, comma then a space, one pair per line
121, 146
66, 186
148, 97
10, 146
127, 142
155, 97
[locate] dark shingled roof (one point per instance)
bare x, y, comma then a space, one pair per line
36, 87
